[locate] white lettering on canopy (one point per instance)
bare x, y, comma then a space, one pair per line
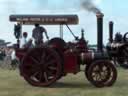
61, 19
35, 19
43, 19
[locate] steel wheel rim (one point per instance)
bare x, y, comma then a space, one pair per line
101, 63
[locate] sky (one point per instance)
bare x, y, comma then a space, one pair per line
114, 10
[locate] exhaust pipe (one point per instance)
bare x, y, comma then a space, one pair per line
110, 31
99, 31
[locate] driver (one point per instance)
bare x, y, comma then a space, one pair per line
37, 34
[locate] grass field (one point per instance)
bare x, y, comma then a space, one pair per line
11, 84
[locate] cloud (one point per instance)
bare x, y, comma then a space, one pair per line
18, 6
97, 2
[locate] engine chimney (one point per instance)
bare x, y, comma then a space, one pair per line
110, 31
99, 31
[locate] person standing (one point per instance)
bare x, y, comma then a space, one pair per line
23, 40
37, 34
7, 59
17, 33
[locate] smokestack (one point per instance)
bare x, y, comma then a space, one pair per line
110, 31
100, 31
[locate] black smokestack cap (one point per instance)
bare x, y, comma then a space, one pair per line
111, 31
100, 31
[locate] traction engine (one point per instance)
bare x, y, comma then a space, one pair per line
43, 65
118, 47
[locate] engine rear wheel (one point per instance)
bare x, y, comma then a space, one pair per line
41, 67
99, 73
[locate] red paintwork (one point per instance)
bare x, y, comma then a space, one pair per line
69, 55
71, 62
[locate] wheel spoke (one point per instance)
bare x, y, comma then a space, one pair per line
30, 68
33, 76
51, 62
43, 55
36, 61
102, 75
45, 76
41, 76
51, 73
52, 68
94, 75
48, 57
97, 76
30, 65
36, 73
34, 69
33, 65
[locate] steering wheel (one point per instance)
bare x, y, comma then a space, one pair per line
126, 37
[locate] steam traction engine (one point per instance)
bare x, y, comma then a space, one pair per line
45, 64
118, 47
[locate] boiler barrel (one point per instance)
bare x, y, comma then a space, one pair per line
90, 56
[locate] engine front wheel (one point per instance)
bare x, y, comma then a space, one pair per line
41, 67
102, 73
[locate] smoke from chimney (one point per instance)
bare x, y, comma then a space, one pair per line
90, 6
16, 6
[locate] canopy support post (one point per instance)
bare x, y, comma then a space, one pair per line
61, 31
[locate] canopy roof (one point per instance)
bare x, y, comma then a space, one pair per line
45, 19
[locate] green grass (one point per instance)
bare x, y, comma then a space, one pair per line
11, 84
